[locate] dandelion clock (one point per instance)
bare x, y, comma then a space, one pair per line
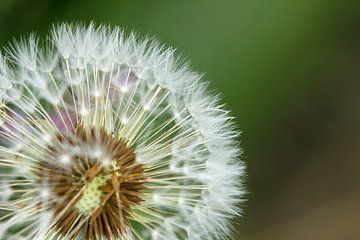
108, 136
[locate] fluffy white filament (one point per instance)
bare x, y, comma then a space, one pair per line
137, 90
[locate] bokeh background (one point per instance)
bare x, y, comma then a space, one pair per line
290, 72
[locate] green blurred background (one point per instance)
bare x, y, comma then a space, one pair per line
288, 69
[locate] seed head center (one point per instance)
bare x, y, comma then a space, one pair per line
92, 186
92, 195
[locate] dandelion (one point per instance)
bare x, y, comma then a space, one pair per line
107, 136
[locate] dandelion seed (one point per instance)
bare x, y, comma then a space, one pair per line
106, 136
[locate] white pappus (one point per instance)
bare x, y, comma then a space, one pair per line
105, 135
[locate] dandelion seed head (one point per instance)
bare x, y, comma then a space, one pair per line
105, 135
